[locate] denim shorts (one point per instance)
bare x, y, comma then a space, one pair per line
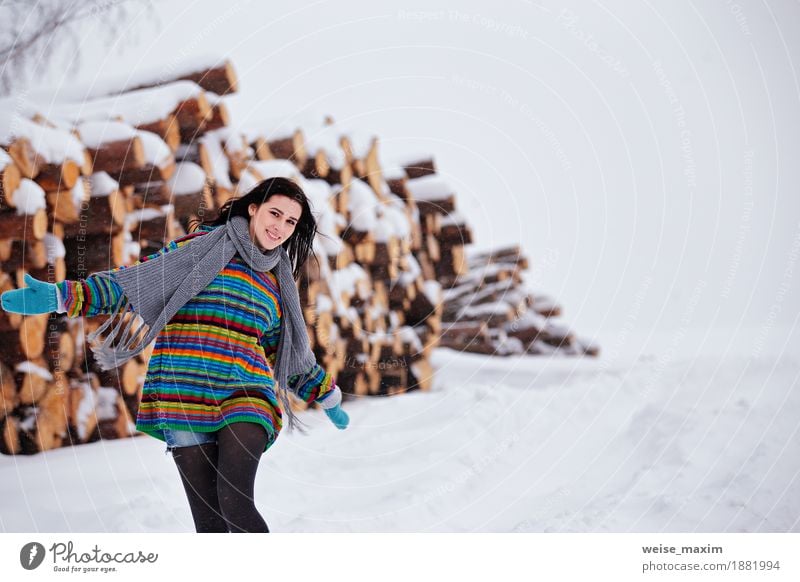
187, 438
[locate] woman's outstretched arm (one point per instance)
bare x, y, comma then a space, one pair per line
95, 295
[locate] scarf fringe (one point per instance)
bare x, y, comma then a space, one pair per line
113, 350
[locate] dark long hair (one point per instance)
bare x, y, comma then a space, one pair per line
298, 246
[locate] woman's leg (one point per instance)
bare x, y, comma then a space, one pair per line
240, 447
197, 466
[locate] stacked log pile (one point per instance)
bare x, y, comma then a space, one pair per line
486, 307
100, 182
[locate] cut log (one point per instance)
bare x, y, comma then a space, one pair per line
29, 227
393, 380
291, 147
118, 156
25, 343
129, 377
197, 153
316, 167
512, 255
62, 176
114, 418
8, 321
100, 215
221, 79
351, 380
9, 181
219, 117
9, 443
421, 374
64, 206
191, 115
60, 346
153, 226
25, 255
82, 410
546, 307
150, 195
189, 206
90, 253
167, 129
148, 173
33, 378
24, 157
455, 234
9, 395
341, 175
53, 417
419, 168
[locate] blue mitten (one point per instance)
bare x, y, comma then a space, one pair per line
338, 417
37, 297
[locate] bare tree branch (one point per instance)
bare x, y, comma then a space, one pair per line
30, 32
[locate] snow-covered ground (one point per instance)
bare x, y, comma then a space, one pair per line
648, 439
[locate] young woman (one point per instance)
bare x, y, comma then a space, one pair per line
222, 306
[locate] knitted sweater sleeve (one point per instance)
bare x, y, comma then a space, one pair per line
318, 386
95, 295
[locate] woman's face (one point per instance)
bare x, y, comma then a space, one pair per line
274, 221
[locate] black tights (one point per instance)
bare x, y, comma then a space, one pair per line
219, 479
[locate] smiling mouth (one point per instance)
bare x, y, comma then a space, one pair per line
272, 236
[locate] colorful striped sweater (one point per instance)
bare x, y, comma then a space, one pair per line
212, 363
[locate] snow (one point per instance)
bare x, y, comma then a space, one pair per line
188, 178
276, 169
410, 158
86, 408
346, 281
494, 308
106, 403
394, 220
320, 136
55, 247
232, 140
433, 291
270, 129
156, 151
5, 159
319, 194
453, 218
102, 184
431, 187
29, 367
135, 108
528, 318
324, 303
79, 193
219, 161
139, 73
145, 214
96, 133
247, 181
363, 206
392, 171
54, 145
29, 197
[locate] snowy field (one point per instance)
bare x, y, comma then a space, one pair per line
658, 441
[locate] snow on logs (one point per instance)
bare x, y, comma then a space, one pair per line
108, 178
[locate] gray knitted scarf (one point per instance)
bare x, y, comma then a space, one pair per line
156, 289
